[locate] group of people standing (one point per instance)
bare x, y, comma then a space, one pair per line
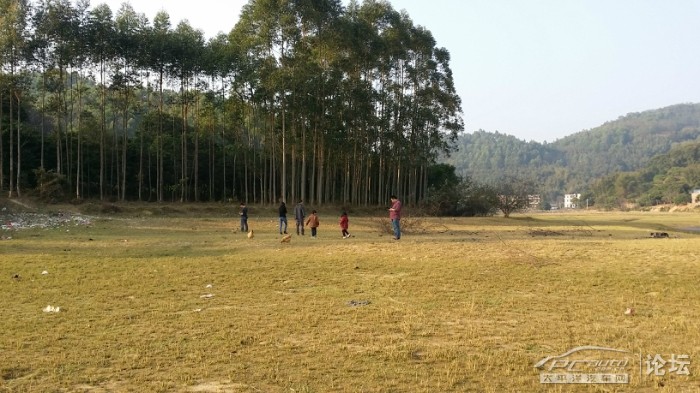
313, 222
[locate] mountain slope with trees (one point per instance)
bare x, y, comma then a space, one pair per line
667, 178
575, 163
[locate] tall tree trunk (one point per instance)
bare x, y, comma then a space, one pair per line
103, 130
212, 166
223, 147
314, 151
293, 164
320, 171
2, 149
195, 159
346, 180
159, 143
18, 183
114, 164
79, 158
368, 181
43, 116
183, 144
12, 145
303, 182
150, 176
125, 143
19, 145
60, 120
70, 129
141, 174
284, 151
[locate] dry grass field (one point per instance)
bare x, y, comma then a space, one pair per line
187, 303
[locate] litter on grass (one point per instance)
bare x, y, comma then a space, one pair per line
358, 303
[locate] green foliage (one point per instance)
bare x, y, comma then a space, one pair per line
668, 178
440, 175
450, 195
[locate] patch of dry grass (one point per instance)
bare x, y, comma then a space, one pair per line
460, 305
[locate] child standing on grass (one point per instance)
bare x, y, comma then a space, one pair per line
344, 222
312, 222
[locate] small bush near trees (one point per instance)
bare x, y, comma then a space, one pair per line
51, 185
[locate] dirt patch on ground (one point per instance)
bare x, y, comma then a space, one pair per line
543, 232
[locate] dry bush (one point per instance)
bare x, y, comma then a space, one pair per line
110, 208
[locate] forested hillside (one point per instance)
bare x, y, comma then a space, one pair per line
667, 178
301, 100
575, 163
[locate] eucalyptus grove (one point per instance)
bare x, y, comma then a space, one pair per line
302, 99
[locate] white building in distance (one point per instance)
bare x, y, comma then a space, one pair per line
571, 201
695, 196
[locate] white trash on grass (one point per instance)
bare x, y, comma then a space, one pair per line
51, 308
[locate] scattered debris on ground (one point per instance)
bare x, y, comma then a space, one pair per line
357, 303
51, 308
19, 221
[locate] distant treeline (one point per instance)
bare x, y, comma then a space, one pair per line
301, 100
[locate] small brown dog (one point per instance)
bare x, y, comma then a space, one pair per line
286, 239
250, 234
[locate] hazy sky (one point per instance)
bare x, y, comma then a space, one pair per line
537, 69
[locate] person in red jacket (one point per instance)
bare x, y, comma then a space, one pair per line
344, 225
395, 216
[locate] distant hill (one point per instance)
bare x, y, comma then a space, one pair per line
574, 163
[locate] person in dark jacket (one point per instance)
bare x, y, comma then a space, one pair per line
299, 214
244, 217
283, 218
